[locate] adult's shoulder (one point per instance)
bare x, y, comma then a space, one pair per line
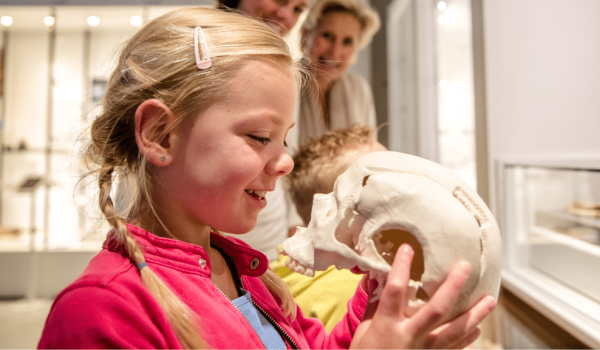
354, 84
354, 79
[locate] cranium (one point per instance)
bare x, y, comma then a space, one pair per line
385, 199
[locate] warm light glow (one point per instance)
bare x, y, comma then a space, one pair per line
441, 5
136, 21
6, 21
49, 21
444, 83
443, 19
93, 21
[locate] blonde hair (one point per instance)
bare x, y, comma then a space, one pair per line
318, 164
366, 15
158, 62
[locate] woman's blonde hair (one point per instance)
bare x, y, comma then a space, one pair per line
158, 62
366, 15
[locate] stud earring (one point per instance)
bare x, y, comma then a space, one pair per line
163, 159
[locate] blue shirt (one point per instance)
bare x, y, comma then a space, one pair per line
265, 329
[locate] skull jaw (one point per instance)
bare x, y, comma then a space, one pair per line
316, 247
305, 258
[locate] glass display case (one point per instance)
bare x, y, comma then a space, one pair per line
54, 65
549, 214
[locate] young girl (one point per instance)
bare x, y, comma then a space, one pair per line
197, 111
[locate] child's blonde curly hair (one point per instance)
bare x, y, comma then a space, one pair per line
318, 164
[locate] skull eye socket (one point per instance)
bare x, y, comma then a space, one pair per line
387, 243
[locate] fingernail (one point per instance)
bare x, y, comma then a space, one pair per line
407, 248
491, 303
465, 267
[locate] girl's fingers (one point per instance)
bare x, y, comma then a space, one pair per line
429, 316
454, 331
396, 285
467, 340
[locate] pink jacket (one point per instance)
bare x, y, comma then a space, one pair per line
109, 307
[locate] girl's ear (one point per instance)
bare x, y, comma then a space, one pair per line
152, 135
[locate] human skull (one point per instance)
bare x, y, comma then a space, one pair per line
388, 198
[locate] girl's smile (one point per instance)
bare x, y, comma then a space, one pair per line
259, 197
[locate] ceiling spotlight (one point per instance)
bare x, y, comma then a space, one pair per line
136, 21
93, 21
49, 21
6, 21
441, 5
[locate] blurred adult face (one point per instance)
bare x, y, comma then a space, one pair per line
332, 45
281, 15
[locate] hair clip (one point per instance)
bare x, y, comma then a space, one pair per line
205, 62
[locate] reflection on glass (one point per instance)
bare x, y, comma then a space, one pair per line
555, 211
55, 71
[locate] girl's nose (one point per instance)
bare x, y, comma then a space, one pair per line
280, 165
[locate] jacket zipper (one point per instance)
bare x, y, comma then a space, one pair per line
264, 346
289, 338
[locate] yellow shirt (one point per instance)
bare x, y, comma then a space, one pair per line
324, 296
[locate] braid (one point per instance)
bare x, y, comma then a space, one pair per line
179, 314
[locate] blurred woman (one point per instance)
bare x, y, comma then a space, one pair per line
334, 31
280, 15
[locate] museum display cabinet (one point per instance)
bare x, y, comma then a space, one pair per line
549, 215
54, 68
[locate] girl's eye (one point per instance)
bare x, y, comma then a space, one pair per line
285, 144
263, 140
348, 41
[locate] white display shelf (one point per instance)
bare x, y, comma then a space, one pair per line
552, 257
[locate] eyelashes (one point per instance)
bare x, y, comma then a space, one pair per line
262, 140
265, 140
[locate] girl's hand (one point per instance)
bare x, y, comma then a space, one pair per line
385, 326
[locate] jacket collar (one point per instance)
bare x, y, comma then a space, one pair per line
186, 256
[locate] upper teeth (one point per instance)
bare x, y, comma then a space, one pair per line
333, 64
257, 193
294, 265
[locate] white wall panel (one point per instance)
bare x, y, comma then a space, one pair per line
543, 76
